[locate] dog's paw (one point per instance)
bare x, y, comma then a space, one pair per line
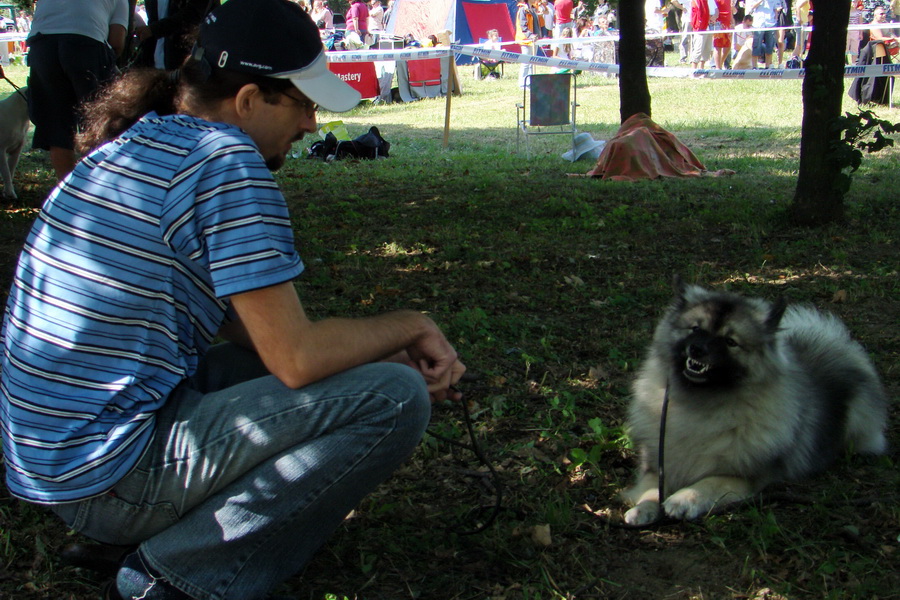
687, 504
642, 514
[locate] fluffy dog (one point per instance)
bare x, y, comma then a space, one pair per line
758, 393
13, 127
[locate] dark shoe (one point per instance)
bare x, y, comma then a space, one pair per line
102, 558
110, 592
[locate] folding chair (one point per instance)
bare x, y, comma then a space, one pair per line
425, 77
548, 107
488, 68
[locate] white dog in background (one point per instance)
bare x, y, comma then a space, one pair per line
13, 127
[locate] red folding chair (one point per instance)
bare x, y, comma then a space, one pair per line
425, 74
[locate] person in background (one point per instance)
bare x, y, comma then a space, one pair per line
23, 23
226, 464
549, 12
869, 6
527, 32
376, 17
742, 44
566, 50
387, 13
854, 36
358, 18
73, 45
801, 20
655, 16
167, 37
722, 41
764, 42
703, 14
684, 46
563, 15
320, 12
879, 17
603, 51
488, 67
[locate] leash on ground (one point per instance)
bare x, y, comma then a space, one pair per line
661, 518
476, 449
17, 88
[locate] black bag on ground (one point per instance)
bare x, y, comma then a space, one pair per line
369, 145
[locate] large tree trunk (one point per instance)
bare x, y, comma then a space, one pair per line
634, 95
819, 197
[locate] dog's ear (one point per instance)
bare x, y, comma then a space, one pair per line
775, 314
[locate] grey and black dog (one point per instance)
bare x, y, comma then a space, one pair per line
758, 392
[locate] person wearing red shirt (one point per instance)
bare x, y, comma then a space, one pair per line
358, 18
563, 10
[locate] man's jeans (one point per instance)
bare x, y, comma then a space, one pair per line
245, 479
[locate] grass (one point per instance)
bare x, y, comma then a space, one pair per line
549, 287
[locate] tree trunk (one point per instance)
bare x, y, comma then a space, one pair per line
634, 94
819, 196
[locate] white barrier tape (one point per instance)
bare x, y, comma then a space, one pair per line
578, 65
408, 54
376, 55
543, 61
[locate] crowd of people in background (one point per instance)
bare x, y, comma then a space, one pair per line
754, 34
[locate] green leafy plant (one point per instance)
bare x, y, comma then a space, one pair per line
862, 131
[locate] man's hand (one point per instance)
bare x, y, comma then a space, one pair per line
439, 365
143, 33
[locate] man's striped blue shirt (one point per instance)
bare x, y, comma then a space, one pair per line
120, 289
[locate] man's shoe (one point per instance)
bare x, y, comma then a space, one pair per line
110, 592
102, 558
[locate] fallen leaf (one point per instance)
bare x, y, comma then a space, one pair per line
839, 296
540, 535
598, 373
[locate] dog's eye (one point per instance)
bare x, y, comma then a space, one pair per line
695, 328
731, 342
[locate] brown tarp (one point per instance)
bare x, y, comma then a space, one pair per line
641, 149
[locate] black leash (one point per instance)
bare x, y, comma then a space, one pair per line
476, 449
17, 88
661, 476
661, 453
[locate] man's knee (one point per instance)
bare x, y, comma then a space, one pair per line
406, 387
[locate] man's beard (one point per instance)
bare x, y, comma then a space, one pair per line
276, 162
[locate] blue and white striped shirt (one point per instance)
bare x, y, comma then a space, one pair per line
120, 289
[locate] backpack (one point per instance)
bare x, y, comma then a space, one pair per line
369, 145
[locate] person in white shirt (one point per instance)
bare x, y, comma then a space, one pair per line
376, 15
655, 15
742, 44
764, 42
320, 12
91, 33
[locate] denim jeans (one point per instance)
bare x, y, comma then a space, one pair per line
245, 478
763, 44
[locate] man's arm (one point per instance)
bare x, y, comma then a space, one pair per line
116, 38
299, 351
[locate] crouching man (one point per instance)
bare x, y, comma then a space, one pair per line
226, 465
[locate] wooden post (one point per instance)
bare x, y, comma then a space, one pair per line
452, 86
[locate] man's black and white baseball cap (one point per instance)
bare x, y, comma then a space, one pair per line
274, 38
